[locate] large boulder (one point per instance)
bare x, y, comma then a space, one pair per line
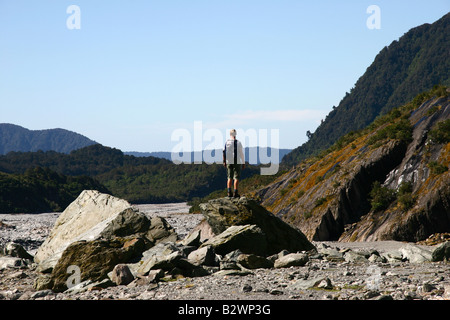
274, 234
247, 238
94, 259
93, 216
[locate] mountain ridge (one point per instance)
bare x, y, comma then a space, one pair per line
408, 66
17, 138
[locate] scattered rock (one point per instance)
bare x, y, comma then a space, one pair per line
94, 259
203, 256
415, 254
11, 262
292, 259
442, 252
121, 275
229, 212
16, 250
247, 238
252, 261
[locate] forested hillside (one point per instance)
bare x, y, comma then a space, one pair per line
415, 63
136, 179
17, 138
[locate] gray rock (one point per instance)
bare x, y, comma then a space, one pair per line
252, 261
84, 219
325, 284
11, 262
352, 256
203, 256
292, 259
41, 294
442, 252
415, 254
121, 275
192, 239
247, 238
330, 254
16, 250
302, 284
94, 260
278, 235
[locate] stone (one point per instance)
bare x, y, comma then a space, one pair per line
203, 256
352, 256
292, 259
205, 230
151, 256
84, 219
331, 254
247, 288
11, 262
252, 261
247, 238
192, 239
302, 284
43, 282
227, 212
160, 231
94, 215
415, 254
325, 284
441, 252
121, 275
16, 250
94, 259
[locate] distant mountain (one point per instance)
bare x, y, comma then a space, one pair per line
17, 138
415, 63
252, 154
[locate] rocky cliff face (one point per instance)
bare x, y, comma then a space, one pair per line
407, 151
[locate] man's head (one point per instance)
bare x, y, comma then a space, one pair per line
233, 133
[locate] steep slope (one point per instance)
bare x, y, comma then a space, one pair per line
17, 138
339, 195
413, 64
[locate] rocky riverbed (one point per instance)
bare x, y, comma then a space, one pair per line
340, 271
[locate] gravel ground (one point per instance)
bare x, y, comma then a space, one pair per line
334, 280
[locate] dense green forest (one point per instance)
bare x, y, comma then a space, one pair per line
136, 179
415, 63
41, 190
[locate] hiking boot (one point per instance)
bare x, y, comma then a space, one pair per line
236, 194
230, 195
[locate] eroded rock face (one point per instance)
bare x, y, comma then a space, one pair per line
329, 198
277, 235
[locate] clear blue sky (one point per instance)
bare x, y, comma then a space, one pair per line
138, 70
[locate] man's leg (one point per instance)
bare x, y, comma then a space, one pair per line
237, 176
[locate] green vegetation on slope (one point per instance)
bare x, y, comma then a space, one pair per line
415, 63
41, 190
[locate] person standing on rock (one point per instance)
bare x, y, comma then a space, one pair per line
234, 161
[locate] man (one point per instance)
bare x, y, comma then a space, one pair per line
234, 161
